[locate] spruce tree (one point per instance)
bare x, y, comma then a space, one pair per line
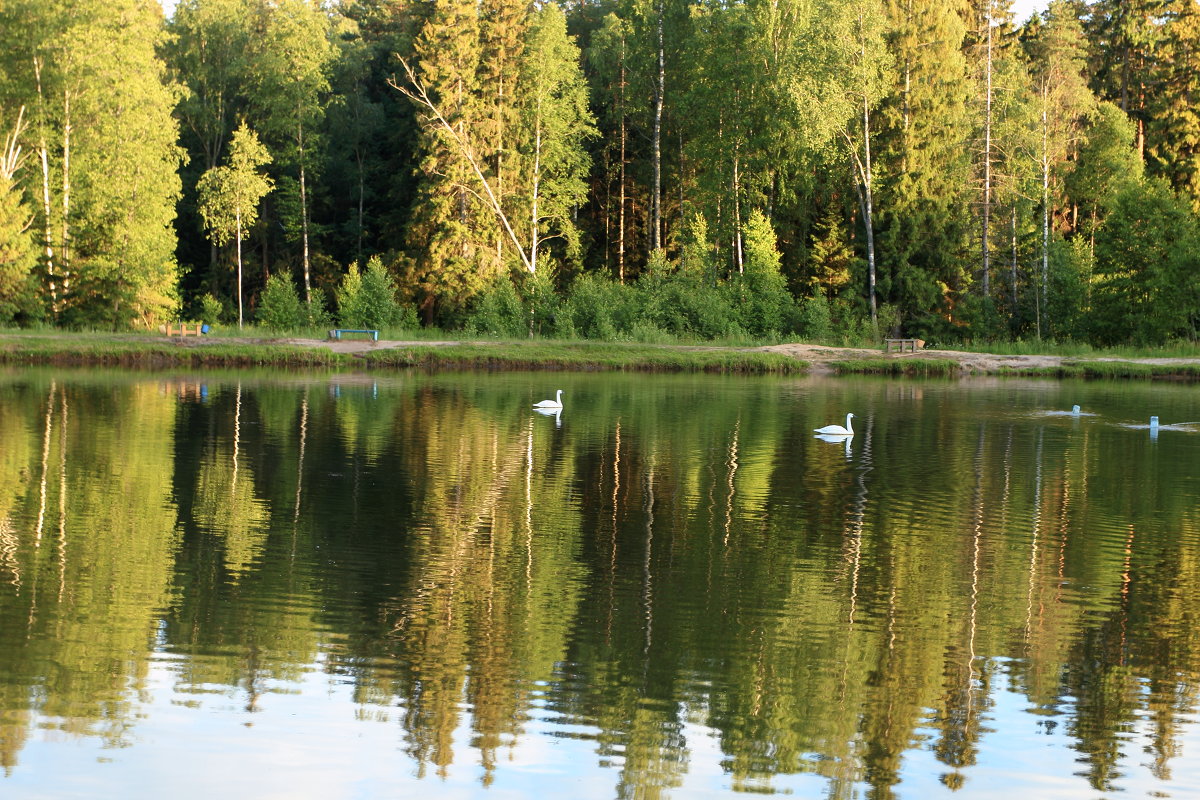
450, 234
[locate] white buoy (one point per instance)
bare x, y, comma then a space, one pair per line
1154, 423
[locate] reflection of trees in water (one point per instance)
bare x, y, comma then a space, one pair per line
637, 573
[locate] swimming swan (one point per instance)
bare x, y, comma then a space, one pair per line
838, 430
555, 403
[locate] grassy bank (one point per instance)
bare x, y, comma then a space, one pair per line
909, 367
1110, 369
155, 352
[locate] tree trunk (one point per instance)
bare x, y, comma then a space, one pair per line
47, 223
621, 212
869, 210
987, 164
537, 176
64, 258
1013, 263
303, 213
656, 200
238, 218
738, 256
1045, 210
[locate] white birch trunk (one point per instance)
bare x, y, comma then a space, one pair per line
238, 218
64, 247
537, 178
303, 212
660, 82
987, 163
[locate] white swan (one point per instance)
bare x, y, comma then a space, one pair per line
1074, 411
555, 403
838, 430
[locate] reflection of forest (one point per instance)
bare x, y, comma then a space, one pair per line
632, 573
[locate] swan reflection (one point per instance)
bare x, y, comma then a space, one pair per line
551, 412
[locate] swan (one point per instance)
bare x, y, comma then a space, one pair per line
1074, 411
555, 403
838, 430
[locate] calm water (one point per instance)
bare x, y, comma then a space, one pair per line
280, 585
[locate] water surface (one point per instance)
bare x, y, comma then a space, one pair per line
303, 585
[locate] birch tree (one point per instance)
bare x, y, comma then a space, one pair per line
1057, 54
555, 126
229, 196
290, 73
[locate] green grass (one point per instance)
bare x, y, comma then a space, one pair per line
586, 356
152, 351
912, 367
1068, 349
1111, 369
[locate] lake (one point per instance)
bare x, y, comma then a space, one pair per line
273, 584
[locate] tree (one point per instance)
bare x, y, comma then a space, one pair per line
450, 235
207, 52
1057, 54
1106, 162
290, 75
924, 164
279, 305
17, 256
1147, 256
229, 195
1173, 135
872, 72
555, 125
102, 132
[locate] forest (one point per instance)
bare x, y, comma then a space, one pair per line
618, 169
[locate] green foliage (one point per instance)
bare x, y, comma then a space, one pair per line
17, 257
815, 322
597, 308
498, 311
229, 195
316, 313
1147, 257
366, 300
764, 305
279, 306
212, 310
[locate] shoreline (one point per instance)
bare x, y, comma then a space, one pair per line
142, 350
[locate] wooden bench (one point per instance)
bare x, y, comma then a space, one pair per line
912, 345
184, 329
336, 333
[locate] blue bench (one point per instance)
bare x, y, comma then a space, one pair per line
336, 333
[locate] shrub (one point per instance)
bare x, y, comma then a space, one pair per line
212, 310
815, 322
279, 305
349, 298
498, 311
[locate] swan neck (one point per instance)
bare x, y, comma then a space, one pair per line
849, 427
